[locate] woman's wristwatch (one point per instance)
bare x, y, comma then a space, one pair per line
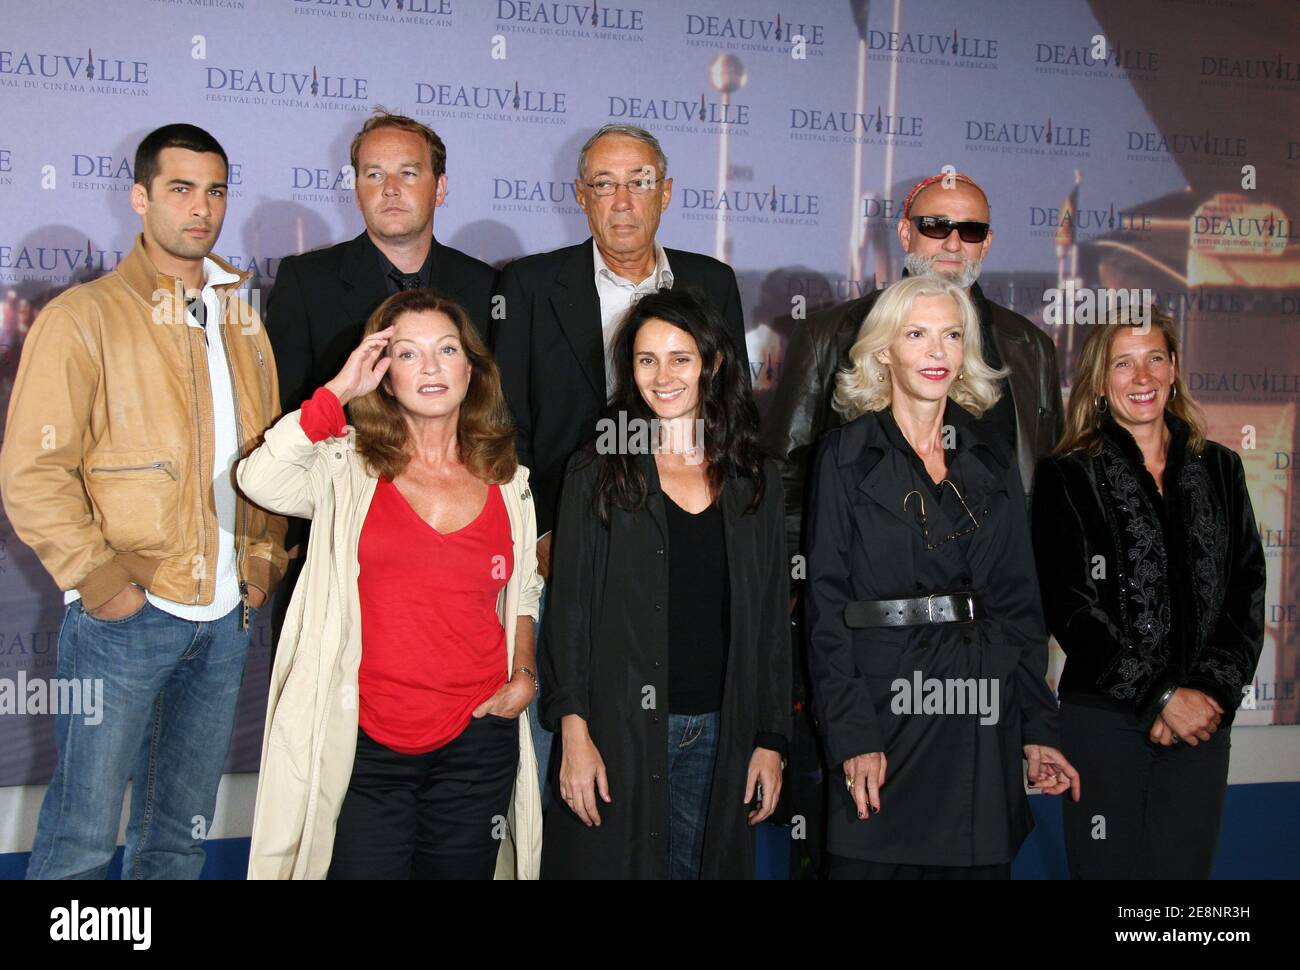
531, 673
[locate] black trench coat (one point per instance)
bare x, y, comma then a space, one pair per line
607, 640
954, 790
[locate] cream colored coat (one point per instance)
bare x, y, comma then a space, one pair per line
311, 720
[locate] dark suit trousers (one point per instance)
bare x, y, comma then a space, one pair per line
437, 815
1158, 808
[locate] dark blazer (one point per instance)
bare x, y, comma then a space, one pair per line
551, 351
322, 299
1146, 592
801, 406
954, 791
607, 641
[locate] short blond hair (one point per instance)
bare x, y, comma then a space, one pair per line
865, 385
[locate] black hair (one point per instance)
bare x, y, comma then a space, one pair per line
726, 404
190, 137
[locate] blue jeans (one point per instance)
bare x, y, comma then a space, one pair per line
692, 751
169, 694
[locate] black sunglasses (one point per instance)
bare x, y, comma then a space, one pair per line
937, 227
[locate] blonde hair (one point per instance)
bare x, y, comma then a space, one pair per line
1083, 417
865, 385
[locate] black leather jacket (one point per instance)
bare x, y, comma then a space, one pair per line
801, 407
1145, 592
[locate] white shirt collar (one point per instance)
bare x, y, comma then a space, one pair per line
213, 276
660, 279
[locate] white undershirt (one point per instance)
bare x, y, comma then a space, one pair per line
618, 294
225, 453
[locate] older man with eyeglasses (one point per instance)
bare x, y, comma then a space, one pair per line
562, 308
945, 230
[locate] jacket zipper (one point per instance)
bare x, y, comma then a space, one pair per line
198, 454
152, 466
239, 503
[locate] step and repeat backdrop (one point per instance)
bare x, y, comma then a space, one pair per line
1140, 146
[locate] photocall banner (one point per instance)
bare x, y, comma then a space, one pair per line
1138, 146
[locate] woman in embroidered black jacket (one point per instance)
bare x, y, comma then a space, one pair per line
1152, 575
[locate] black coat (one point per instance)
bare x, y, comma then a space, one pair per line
801, 405
954, 790
1145, 592
322, 299
550, 347
607, 640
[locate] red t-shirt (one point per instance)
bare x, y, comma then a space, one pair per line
432, 645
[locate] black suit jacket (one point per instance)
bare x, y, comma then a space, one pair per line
550, 347
322, 299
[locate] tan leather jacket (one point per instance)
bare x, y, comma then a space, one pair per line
106, 465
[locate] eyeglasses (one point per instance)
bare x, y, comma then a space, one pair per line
937, 227
637, 186
925, 532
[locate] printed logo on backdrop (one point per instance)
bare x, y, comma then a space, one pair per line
1229, 224
511, 103
311, 86
1278, 542
1205, 148
534, 195
6, 166
1084, 222
314, 184
1077, 60
81, 72
225, 5
755, 35
583, 21
691, 116
112, 173
59, 265
419, 13
1203, 302
1234, 71
939, 49
1046, 137
753, 202
871, 127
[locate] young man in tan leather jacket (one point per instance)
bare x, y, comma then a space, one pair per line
136, 394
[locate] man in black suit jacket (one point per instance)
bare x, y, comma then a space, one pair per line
561, 307
322, 299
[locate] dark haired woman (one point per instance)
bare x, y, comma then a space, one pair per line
395, 746
667, 668
1153, 583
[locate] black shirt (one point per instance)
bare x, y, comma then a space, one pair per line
397, 281
699, 609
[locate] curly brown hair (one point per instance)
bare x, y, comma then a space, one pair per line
485, 434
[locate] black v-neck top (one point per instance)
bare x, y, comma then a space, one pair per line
699, 609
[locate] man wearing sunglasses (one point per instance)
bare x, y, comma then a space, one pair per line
944, 230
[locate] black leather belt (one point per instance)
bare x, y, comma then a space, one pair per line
936, 608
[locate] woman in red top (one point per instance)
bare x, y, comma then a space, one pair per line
437, 701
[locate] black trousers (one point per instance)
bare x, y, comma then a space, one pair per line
841, 867
438, 815
1147, 811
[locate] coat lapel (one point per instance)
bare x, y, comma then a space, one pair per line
577, 309
362, 277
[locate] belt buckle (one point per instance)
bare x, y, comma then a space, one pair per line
929, 607
970, 603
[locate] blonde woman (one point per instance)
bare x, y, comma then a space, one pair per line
397, 741
927, 647
1153, 581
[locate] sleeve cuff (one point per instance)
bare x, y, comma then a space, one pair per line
322, 416
773, 742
